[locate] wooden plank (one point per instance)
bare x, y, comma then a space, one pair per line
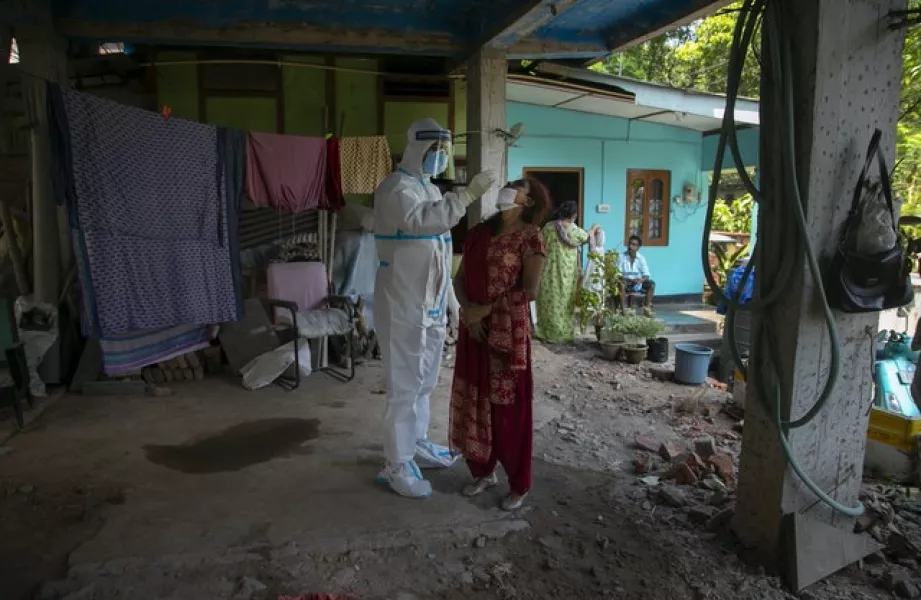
293, 35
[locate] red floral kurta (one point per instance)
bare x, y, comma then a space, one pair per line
488, 372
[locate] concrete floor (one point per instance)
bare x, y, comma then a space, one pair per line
689, 317
314, 454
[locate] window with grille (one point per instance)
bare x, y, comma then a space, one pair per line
648, 206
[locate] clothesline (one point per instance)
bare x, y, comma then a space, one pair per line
300, 65
280, 63
296, 173
187, 180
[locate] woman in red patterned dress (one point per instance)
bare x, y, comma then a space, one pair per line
493, 390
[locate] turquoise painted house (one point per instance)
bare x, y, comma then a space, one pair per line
637, 158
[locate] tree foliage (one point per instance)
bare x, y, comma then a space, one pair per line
907, 175
696, 56
733, 215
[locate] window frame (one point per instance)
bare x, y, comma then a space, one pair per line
648, 175
208, 90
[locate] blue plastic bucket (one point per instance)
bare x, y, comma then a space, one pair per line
692, 361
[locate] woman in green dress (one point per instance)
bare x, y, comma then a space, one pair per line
556, 298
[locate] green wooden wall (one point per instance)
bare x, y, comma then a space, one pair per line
305, 96
251, 114
342, 93
177, 85
398, 116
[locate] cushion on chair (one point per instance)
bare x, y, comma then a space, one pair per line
303, 283
323, 322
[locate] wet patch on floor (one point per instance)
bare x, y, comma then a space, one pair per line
236, 447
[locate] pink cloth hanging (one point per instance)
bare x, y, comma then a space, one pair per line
286, 172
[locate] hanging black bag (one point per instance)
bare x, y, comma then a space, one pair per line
861, 282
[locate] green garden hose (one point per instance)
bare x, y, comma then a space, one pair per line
793, 202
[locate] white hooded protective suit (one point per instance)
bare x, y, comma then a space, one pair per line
413, 224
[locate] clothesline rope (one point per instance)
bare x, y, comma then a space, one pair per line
288, 63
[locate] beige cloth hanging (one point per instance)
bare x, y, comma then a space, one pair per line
365, 162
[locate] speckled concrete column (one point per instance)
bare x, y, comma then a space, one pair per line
847, 72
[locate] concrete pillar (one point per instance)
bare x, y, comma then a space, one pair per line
846, 82
43, 55
486, 74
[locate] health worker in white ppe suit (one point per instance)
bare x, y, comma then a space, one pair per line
413, 224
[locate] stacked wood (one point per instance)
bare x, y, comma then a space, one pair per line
188, 367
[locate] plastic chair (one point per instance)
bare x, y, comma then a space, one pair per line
320, 313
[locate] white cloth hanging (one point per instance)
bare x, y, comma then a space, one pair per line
595, 265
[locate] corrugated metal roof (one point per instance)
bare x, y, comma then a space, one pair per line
596, 93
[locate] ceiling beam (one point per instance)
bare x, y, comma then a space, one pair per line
532, 48
300, 36
307, 38
24, 13
524, 19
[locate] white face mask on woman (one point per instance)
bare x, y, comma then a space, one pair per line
506, 199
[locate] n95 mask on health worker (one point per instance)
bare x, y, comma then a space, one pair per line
435, 163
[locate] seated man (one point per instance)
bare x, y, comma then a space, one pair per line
635, 273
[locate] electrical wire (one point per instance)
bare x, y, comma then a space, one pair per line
790, 201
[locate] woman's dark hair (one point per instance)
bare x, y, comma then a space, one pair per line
566, 210
532, 215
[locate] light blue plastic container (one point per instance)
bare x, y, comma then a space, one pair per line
692, 362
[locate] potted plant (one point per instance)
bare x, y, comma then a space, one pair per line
593, 301
657, 346
638, 329
612, 336
630, 322
612, 278
588, 305
648, 327
635, 353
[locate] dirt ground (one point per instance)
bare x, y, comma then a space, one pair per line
606, 518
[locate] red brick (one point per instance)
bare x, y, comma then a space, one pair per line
683, 475
644, 443
694, 462
642, 464
723, 466
719, 385
669, 451
705, 446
